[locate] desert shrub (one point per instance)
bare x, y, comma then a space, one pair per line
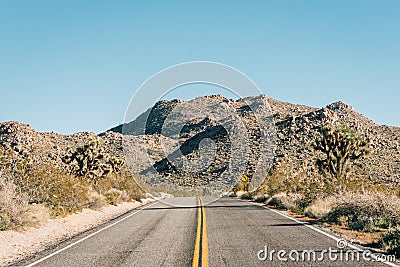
320, 207
15, 211
365, 211
115, 196
5, 222
130, 187
285, 201
112, 197
105, 173
13, 206
279, 179
61, 192
123, 182
124, 197
70, 196
95, 200
294, 178
391, 241
43, 183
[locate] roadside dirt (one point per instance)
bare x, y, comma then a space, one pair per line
15, 245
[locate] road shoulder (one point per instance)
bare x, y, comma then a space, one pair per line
327, 230
16, 246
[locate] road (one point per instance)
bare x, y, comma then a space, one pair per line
226, 232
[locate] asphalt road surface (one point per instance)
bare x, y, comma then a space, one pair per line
186, 232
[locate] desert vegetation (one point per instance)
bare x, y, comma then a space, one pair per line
339, 144
335, 190
32, 190
331, 163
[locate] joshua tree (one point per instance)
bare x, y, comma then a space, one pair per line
340, 144
92, 161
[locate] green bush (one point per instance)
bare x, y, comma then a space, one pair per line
391, 241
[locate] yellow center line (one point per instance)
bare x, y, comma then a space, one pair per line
196, 254
204, 247
200, 255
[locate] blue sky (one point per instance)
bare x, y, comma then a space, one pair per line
69, 66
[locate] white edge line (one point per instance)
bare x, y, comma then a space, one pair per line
88, 236
324, 233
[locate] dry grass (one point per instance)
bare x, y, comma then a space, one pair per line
285, 201
96, 201
13, 206
115, 196
320, 207
365, 211
357, 204
15, 211
30, 187
124, 183
371, 217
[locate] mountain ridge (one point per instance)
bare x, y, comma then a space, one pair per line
297, 126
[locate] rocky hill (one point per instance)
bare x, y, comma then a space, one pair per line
297, 126
296, 135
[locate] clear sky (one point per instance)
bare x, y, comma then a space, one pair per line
69, 66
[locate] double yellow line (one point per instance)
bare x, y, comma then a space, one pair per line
200, 256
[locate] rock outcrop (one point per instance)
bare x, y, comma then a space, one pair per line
297, 127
